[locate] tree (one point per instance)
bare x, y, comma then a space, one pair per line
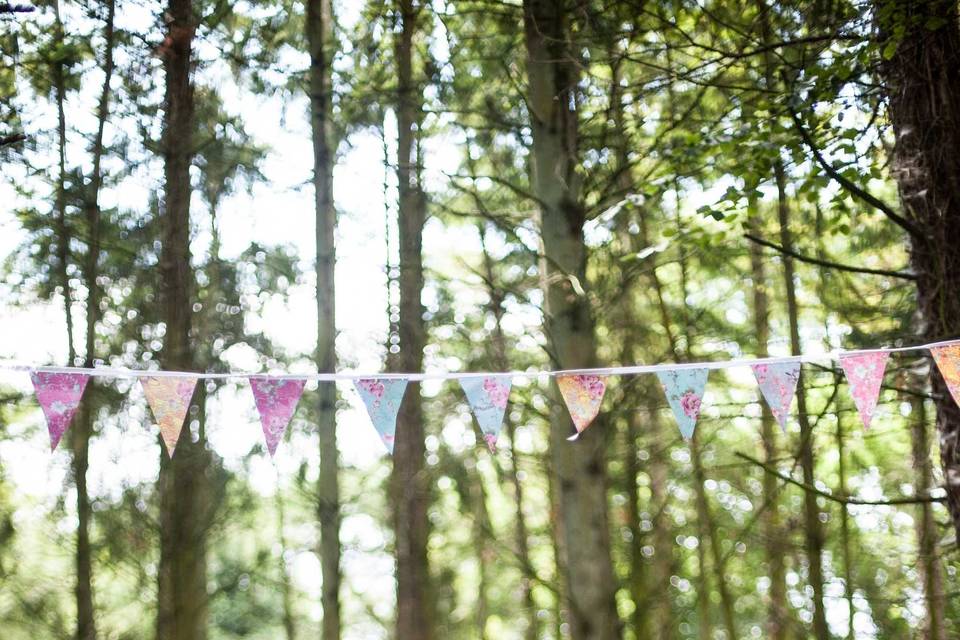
182, 485
320, 38
409, 483
552, 100
921, 74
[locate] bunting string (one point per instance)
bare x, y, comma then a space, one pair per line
120, 372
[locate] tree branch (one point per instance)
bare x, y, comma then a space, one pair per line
826, 263
13, 139
850, 186
836, 498
7, 7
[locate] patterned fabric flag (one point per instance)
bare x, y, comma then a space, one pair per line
778, 383
684, 390
59, 396
383, 396
276, 400
865, 373
948, 360
169, 398
583, 395
488, 400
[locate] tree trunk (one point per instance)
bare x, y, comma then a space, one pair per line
580, 468
777, 622
931, 572
83, 423
319, 27
60, 204
922, 78
182, 486
498, 353
813, 531
415, 619
286, 588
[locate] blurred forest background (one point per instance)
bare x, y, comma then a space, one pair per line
502, 185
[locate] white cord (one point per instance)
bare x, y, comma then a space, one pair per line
114, 372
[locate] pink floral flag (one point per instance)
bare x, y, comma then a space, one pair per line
59, 396
488, 400
383, 396
583, 395
276, 400
684, 390
169, 398
778, 384
948, 360
865, 373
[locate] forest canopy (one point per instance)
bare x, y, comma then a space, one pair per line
456, 186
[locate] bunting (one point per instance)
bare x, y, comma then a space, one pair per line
582, 395
276, 400
59, 396
865, 372
778, 384
169, 398
684, 391
948, 360
382, 397
488, 397
59, 391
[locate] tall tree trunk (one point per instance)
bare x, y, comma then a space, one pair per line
777, 622
498, 349
926, 525
83, 427
580, 469
182, 486
60, 204
415, 619
813, 531
922, 78
286, 588
319, 26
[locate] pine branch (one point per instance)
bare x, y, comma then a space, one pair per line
849, 185
826, 263
7, 7
837, 498
6, 141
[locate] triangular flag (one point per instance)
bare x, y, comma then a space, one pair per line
684, 390
583, 395
59, 396
948, 360
865, 373
276, 400
488, 400
383, 396
169, 398
778, 383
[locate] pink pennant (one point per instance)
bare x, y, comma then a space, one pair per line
948, 360
59, 396
276, 400
865, 373
583, 395
169, 397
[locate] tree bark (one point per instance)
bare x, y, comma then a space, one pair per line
922, 81
410, 488
83, 427
777, 621
931, 571
319, 27
580, 469
182, 486
813, 531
